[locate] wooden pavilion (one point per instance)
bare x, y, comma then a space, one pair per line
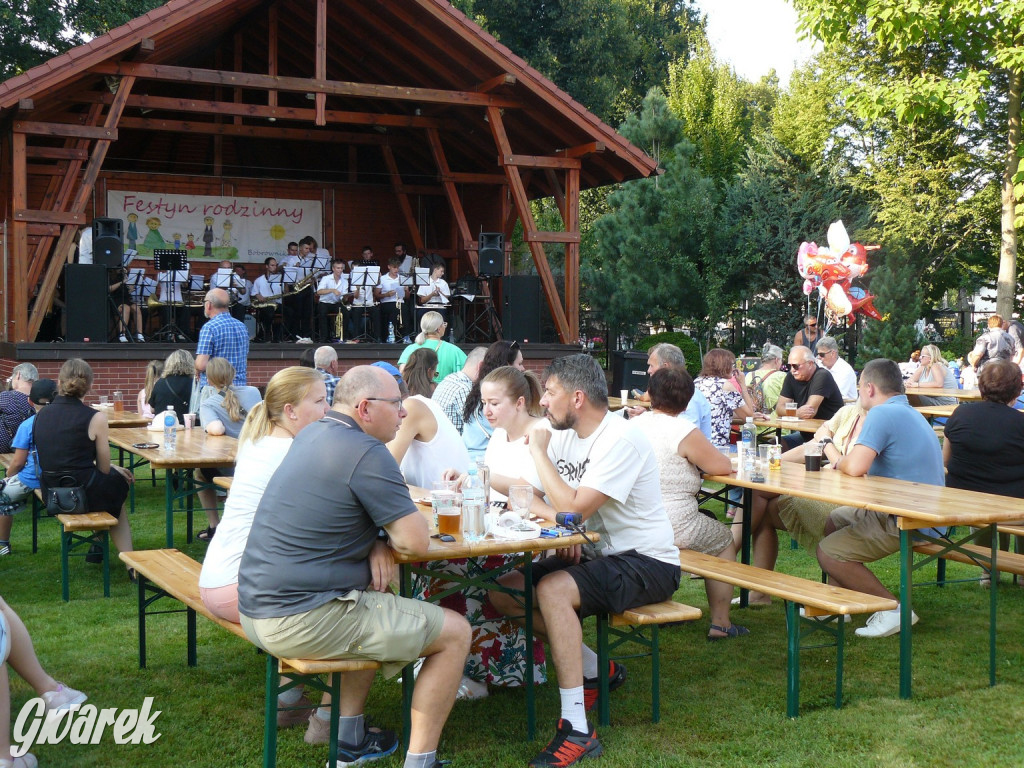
404, 118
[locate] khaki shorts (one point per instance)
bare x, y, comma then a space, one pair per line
861, 536
358, 625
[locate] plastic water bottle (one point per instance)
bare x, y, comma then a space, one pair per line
474, 506
484, 472
391, 333
170, 429
748, 435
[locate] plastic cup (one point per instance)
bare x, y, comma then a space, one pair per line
774, 458
104, 400
624, 395
762, 452
519, 498
190, 421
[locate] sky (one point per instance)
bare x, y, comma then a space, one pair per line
755, 36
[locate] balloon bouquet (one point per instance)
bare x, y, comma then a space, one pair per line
832, 271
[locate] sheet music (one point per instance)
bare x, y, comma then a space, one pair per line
222, 278
195, 283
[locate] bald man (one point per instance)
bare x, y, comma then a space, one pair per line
221, 336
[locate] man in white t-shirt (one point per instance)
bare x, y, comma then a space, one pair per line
601, 468
842, 371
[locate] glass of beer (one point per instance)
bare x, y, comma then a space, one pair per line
449, 520
812, 456
442, 496
118, 402
791, 410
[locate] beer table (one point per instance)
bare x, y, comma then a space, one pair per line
194, 449
616, 404
119, 419
780, 423
915, 506
959, 394
936, 411
441, 550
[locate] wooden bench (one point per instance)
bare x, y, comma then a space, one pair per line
818, 600
170, 573
85, 530
975, 554
630, 626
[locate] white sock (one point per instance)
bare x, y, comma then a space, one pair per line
573, 710
420, 759
351, 730
324, 713
289, 697
589, 662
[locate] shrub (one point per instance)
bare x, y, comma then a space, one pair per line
690, 349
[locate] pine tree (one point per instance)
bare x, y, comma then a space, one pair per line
897, 290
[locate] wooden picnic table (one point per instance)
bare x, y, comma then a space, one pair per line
936, 411
615, 403
193, 449
959, 394
780, 423
915, 506
120, 419
458, 549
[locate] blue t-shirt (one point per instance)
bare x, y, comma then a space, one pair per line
29, 474
905, 444
699, 412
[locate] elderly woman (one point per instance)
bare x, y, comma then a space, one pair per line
722, 385
683, 452
449, 357
984, 445
933, 373
765, 383
72, 446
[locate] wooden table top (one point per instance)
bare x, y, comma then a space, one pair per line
936, 410
959, 394
444, 550
800, 425
615, 403
916, 504
194, 448
124, 418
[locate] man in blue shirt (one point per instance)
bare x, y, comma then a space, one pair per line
896, 441
221, 336
325, 359
670, 356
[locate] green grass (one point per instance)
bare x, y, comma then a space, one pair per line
722, 703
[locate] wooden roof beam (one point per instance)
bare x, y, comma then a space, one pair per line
256, 132
505, 78
538, 161
591, 148
303, 85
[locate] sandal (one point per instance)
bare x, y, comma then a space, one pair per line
734, 630
207, 534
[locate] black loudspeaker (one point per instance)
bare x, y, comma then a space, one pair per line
629, 371
521, 302
107, 242
85, 298
492, 254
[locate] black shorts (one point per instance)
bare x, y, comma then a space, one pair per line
615, 583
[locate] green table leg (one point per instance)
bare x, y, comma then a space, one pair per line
169, 496
748, 503
405, 590
906, 613
993, 595
531, 713
792, 659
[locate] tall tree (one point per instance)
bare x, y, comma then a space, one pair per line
948, 57
898, 298
32, 31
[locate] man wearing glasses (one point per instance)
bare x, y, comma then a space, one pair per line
221, 336
808, 336
313, 580
812, 389
842, 371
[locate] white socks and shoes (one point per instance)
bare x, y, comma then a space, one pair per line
884, 623
63, 698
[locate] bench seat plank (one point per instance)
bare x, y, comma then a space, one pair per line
1007, 562
656, 613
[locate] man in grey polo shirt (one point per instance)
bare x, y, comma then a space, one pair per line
312, 579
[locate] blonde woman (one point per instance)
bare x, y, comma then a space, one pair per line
175, 385
222, 413
932, 373
296, 397
153, 372
450, 357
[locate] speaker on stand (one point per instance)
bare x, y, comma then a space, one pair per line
491, 247
107, 242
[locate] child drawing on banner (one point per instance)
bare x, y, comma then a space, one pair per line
191, 244
225, 240
177, 240
133, 230
153, 238
208, 237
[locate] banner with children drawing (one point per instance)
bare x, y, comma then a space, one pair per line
214, 228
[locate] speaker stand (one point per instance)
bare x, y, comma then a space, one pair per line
486, 325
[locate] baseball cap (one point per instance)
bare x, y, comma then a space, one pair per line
388, 367
43, 391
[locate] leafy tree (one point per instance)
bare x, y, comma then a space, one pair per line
897, 297
953, 58
32, 31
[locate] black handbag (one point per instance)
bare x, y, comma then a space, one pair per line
66, 500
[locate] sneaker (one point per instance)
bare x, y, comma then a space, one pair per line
319, 730
843, 617
470, 690
375, 745
884, 623
95, 554
616, 677
63, 699
140, 338
296, 714
123, 339
28, 760
5, 549
568, 747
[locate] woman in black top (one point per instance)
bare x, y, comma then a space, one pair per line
71, 442
984, 442
175, 385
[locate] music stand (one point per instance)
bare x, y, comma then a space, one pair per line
363, 277
407, 281
486, 325
171, 262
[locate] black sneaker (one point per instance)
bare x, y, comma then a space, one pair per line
95, 554
375, 745
616, 677
568, 747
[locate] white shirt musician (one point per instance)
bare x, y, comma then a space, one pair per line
270, 286
435, 294
292, 258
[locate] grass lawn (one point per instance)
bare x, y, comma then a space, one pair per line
722, 703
